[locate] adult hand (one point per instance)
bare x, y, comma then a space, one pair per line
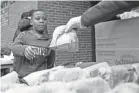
74, 23
29, 52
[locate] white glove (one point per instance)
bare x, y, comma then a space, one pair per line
74, 23
29, 52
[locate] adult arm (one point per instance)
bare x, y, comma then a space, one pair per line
105, 10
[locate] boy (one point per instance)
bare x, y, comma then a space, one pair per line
31, 47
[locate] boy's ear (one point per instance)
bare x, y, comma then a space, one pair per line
31, 23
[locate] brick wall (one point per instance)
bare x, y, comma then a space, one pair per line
59, 12
15, 11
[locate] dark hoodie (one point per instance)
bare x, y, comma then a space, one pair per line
42, 59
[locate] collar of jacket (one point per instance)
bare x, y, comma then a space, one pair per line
44, 37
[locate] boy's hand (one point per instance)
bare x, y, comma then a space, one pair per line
29, 53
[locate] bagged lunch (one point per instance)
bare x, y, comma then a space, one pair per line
10, 78
64, 41
91, 85
39, 77
93, 71
120, 74
66, 74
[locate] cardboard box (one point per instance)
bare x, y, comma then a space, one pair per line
119, 33
118, 56
117, 42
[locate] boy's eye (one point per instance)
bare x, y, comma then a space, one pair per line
44, 18
38, 18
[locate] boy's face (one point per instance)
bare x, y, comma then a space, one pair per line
39, 21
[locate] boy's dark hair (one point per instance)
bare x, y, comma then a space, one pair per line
24, 15
27, 14
36, 11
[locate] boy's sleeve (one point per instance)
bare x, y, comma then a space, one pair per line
51, 59
16, 34
18, 46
